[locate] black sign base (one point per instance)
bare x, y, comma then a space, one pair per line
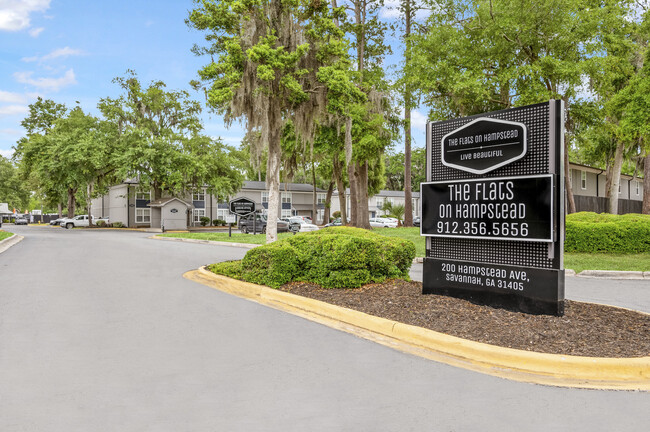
524, 289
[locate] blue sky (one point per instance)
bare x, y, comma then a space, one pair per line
69, 51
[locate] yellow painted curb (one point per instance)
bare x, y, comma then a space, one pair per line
525, 366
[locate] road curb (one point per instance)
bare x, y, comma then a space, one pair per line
210, 242
613, 274
525, 366
10, 241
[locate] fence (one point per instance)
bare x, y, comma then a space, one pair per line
601, 205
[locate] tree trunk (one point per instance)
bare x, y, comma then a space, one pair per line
337, 169
328, 203
363, 218
616, 178
646, 184
608, 178
408, 194
571, 204
273, 175
59, 208
71, 202
89, 203
351, 175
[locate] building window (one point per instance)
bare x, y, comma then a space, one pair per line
619, 187
637, 187
143, 196
222, 213
320, 214
380, 202
286, 197
265, 197
285, 213
414, 204
320, 198
198, 196
142, 215
583, 180
198, 214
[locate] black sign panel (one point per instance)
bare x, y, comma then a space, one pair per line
242, 206
511, 208
526, 288
484, 145
493, 208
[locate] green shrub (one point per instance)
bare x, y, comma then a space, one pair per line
334, 257
218, 222
231, 269
118, 225
592, 232
101, 223
336, 214
204, 220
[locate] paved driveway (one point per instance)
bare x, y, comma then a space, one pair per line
99, 332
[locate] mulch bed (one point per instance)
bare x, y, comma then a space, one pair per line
585, 329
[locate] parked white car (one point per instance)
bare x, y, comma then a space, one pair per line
298, 224
382, 223
79, 221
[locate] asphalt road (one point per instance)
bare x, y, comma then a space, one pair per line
100, 332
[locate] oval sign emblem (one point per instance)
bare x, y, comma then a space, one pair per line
174, 210
484, 145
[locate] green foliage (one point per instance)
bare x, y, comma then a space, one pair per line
12, 189
591, 232
232, 269
204, 220
161, 141
394, 210
101, 223
117, 225
218, 222
335, 257
395, 170
336, 214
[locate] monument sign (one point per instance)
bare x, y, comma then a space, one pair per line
493, 208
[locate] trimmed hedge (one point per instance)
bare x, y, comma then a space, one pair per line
334, 257
592, 232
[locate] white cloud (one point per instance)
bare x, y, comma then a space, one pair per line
57, 53
7, 153
9, 97
11, 132
418, 120
36, 31
15, 14
10, 110
390, 10
53, 84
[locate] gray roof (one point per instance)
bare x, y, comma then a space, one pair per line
388, 193
161, 202
290, 187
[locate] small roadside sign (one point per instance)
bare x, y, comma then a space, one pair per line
242, 206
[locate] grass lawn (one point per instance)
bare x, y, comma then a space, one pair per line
412, 234
223, 237
5, 234
604, 261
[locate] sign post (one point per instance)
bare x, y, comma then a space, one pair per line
493, 208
